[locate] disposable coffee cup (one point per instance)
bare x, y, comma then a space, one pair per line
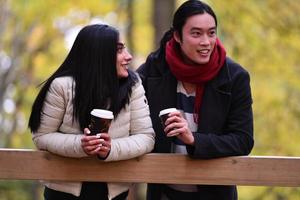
100, 121
164, 114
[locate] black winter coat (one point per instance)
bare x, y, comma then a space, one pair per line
225, 120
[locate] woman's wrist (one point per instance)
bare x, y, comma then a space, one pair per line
103, 158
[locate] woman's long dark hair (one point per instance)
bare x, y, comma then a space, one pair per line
91, 62
186, 10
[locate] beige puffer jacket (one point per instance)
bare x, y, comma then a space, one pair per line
131, 132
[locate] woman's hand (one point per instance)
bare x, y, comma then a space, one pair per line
99, 144
177, 126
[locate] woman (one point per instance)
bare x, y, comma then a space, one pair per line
95, 74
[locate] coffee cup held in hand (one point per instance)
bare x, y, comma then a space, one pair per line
100, 121
164, 114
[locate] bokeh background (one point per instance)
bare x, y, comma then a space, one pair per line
262, 35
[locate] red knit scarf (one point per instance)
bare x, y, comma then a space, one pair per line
197, 74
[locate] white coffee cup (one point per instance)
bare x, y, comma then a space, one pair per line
163, 115
100, 121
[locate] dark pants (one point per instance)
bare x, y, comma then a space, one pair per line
89, 191
204, 192
178, 195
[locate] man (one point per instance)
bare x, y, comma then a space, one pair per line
190, 71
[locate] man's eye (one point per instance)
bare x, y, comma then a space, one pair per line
195, 34
212, 33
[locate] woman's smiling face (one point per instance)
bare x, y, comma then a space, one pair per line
123, 60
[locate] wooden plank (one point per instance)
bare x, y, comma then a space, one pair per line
23, 164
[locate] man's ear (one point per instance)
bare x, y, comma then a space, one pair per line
176, 37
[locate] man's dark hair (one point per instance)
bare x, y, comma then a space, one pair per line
186, 10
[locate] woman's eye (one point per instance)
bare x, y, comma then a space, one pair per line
119, 50
120, 47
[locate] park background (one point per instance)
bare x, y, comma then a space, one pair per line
262, 35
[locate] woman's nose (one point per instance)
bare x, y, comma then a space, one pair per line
128, 56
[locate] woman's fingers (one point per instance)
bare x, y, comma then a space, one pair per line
86, 131
94, 144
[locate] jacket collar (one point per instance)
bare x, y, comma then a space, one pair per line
222, 82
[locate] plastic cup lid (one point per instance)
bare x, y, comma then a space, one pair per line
166, 111
102, 113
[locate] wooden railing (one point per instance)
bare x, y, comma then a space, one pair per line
21, 164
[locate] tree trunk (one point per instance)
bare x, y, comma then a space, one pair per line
130, 26
162, 18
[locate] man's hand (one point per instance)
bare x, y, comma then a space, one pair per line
176, 125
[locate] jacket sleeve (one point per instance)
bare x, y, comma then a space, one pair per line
141, 135
48, 137
237, 136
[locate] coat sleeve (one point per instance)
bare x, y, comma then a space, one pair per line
237, 136
48, 137
141, 134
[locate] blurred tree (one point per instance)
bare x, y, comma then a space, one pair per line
162, 18
130, 26
264, 37
31, 48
